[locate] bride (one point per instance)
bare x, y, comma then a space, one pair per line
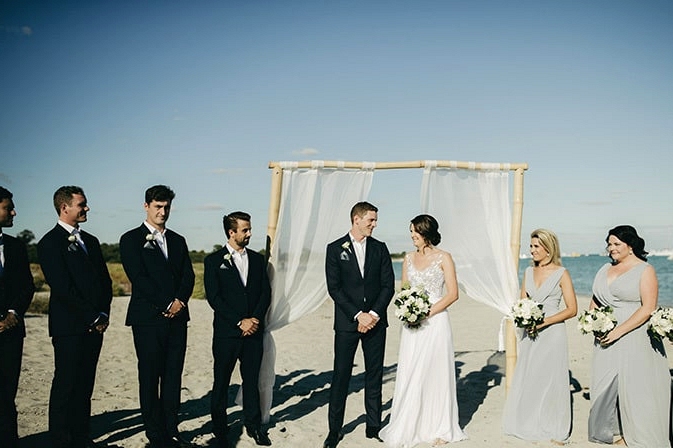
424, 405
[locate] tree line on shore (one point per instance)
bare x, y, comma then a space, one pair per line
121, 286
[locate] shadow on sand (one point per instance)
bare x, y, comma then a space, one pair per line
312, 389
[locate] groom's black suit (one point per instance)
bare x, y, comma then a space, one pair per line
160, 342
81, 289
352, 293
16, 292
232, 302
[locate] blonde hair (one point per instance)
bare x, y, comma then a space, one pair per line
549, 241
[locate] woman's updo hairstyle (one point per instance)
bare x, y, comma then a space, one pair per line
628, 235
428, 228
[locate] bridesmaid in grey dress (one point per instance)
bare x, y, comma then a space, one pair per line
630, 384
538, 403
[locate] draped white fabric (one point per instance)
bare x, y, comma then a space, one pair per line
472, 207
473, 210
314, 210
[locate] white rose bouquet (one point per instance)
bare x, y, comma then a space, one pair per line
599, 321
661, 324
412, 305
528, 314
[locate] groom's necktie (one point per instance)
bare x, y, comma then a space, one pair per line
80, 241
161, 242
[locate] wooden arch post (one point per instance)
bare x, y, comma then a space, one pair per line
515, 235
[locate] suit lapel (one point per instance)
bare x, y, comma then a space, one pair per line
73, 246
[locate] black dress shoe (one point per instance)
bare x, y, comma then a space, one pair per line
259, 436
333, 439
178, 442
372, 432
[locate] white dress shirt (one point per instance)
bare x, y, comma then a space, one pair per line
241, 262
160, 238
75, 232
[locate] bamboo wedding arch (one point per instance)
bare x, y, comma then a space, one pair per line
517, 212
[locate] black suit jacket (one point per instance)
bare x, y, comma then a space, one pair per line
16, 283
80, 284
351, 291
230, 299
155, 281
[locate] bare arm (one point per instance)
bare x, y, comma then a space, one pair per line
570, 301
450, 283
523, 294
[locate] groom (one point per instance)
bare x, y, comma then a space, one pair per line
361, 282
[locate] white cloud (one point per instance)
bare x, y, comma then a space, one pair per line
209, 207
21, 30
306, 152
227, 171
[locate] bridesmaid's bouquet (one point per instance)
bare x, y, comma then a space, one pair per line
599, 321
661, 324
528, 314
412, 305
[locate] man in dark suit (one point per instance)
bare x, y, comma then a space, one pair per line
16, 293
361, 282
156, 261
238, 290
79, 308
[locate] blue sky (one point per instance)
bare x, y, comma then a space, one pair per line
116, 96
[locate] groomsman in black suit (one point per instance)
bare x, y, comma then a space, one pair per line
16, 293
238, 290
361, 282
79, 308
156, 261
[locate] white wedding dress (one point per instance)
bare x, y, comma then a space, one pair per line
424, 405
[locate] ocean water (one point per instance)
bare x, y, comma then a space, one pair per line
582, 270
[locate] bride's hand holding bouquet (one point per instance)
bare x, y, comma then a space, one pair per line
412, 305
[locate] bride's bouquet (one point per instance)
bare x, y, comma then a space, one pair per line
599, 321
412, 305
661, 324
528, 314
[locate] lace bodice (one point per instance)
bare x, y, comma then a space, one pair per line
431, 278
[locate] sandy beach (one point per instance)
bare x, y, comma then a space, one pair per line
303, 372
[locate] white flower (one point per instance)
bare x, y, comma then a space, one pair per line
149, 237
528, 314
346, 246
661, 324
598, 321
227, 257
412, 305
72, 238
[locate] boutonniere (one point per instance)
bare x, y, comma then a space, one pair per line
72, 247
226, 264
149, 240
346, 246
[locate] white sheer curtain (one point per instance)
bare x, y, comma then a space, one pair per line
314, 210
473, 210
